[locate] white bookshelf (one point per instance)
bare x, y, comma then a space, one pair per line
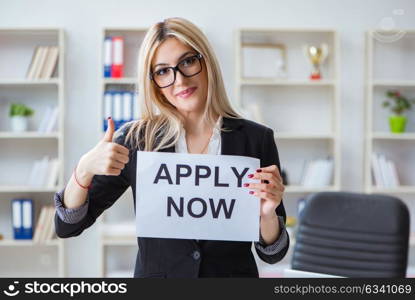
283, 101
275, 97
282, 82
120, 241
25, 189
390, 65
16, 243
115, 81
117, 254
25, 81
29, 135
24, 258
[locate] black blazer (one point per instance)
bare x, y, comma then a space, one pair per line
161, 257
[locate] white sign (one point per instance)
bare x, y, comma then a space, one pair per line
196, 196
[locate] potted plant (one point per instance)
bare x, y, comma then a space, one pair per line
398, 105
19, 114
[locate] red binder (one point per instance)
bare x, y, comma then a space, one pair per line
117, 68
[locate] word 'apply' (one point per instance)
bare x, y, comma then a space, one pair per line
195, 196
201, 172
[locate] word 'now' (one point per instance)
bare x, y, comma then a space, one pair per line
215, 209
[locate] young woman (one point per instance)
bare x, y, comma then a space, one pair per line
185, 109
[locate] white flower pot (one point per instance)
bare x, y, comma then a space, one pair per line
19, 123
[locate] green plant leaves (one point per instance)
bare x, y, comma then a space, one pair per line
18, 109
397, 102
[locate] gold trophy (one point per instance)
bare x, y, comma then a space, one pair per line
317, 55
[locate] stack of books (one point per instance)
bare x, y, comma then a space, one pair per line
50, 120
45, 227
44, 173
43, 64
317, 173
384, 171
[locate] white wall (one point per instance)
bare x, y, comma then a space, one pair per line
83, 21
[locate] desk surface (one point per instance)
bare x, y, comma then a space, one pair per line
291, 273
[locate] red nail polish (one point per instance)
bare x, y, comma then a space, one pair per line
246, 184
259, 170
250, 175
251, 192
108, 118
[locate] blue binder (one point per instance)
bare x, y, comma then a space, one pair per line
22, 219
107, 57
118, 104
117, 98
108, 107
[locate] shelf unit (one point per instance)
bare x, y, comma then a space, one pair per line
19, 150
117, 253
29, 135
282, 82
319, 133
121, 249
388, 67
17, 243
273, 92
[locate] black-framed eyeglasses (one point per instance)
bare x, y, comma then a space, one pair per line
188, 67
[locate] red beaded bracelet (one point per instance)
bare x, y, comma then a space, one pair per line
76, 179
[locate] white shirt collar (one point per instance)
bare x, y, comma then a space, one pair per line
214, 146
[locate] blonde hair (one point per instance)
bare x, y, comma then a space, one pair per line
160, 123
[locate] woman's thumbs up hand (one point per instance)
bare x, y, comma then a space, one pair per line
106, 158
110, 131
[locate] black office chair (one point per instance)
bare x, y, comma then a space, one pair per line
352, 235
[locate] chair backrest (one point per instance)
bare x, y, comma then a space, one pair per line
353, 235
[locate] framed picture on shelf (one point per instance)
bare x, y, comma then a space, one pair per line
263, 60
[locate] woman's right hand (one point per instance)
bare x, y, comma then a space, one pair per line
106, 158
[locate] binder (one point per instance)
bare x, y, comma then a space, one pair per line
107, 57
22, 217
118, 108
121, 106
127, 113
108, 108
27, 224
17, 219
117, 69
